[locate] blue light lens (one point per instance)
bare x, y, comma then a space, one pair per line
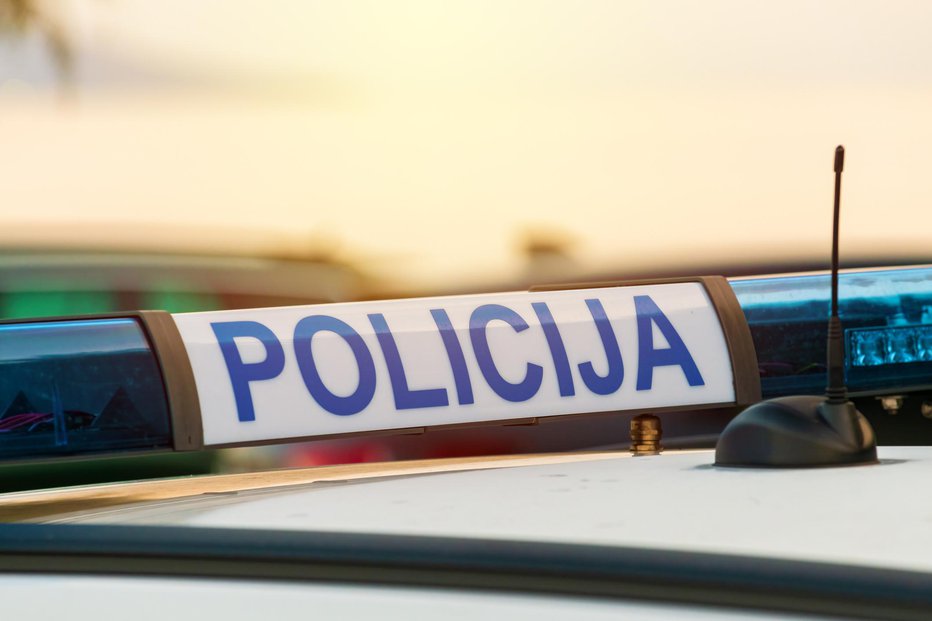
79, 387
887, 316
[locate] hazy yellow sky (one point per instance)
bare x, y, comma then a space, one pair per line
429, 134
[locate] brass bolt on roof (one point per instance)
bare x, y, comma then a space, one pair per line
646, 433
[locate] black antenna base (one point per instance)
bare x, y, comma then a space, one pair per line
797, 432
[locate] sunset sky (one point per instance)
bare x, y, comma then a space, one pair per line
427, 136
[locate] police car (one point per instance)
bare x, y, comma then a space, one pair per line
796, 511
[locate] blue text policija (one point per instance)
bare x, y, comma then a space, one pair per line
648, 315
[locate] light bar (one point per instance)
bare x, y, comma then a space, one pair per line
887, 315
154, 381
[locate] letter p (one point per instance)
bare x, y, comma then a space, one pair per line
242, 373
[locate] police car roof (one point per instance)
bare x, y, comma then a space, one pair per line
863, 516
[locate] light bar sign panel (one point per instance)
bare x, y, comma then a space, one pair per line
346, 368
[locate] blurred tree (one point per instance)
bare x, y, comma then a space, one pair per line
18, 17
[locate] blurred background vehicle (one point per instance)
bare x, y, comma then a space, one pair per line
49, 282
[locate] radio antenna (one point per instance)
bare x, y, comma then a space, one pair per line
836, 392
805, 431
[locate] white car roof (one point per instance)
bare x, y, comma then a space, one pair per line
874, 515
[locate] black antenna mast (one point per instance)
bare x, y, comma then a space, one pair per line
836, 391
805, 431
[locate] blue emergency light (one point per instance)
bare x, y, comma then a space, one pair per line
72, 387
887, 316
80, 385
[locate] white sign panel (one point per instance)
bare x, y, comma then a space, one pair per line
341, 368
